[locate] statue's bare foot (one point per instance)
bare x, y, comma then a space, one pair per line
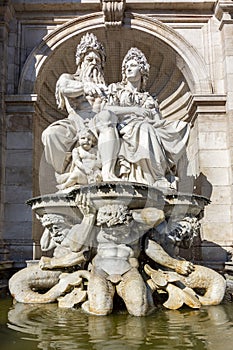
184, 267
45, 263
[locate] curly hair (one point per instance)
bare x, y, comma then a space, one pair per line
113, 214
87, 132
137, 55
89, 42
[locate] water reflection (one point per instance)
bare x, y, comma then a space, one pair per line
53, 328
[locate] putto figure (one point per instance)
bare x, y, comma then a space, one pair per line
85, 167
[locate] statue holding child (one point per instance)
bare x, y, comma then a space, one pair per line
109, 155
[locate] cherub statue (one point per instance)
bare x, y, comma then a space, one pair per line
86, 165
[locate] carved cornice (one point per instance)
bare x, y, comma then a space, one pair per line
224, 12
206, 104
113, 12
93, 5
6, 12
20, 104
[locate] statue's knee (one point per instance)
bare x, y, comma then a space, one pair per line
106, 118
47, 134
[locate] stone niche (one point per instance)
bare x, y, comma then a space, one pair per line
166, 81
180, 78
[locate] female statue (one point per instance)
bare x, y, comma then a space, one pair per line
135, 144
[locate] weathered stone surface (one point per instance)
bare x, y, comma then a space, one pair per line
75, 297
19, 140
189, 47
214, 158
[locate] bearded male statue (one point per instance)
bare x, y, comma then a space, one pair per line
81, 94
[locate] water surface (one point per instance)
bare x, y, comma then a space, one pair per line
29, 327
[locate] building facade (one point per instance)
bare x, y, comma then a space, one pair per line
189, 45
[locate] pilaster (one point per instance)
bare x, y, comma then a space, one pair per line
224, 13
18, 175
5, 16
210, 153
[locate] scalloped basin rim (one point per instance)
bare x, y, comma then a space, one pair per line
122, 191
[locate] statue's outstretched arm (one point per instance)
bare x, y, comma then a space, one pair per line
156, 253
67, 260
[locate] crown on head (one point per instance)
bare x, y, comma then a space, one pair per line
89, 42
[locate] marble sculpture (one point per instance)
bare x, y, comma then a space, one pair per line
115, 161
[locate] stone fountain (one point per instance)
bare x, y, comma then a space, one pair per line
114, 227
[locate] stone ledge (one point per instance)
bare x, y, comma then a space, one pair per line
207, 104
182, 5
94, 5
229, 265
21, 98
55, 5
20, 104
223, 7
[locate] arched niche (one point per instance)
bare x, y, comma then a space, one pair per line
176, 66
177, 71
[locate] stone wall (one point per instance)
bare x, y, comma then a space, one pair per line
190, 49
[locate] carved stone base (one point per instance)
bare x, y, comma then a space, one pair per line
103, 236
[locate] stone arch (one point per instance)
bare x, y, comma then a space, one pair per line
177, 70
50, 42
188, 61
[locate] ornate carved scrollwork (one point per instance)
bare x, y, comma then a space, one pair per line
113, 12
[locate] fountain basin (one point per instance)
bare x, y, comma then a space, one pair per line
134, 196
